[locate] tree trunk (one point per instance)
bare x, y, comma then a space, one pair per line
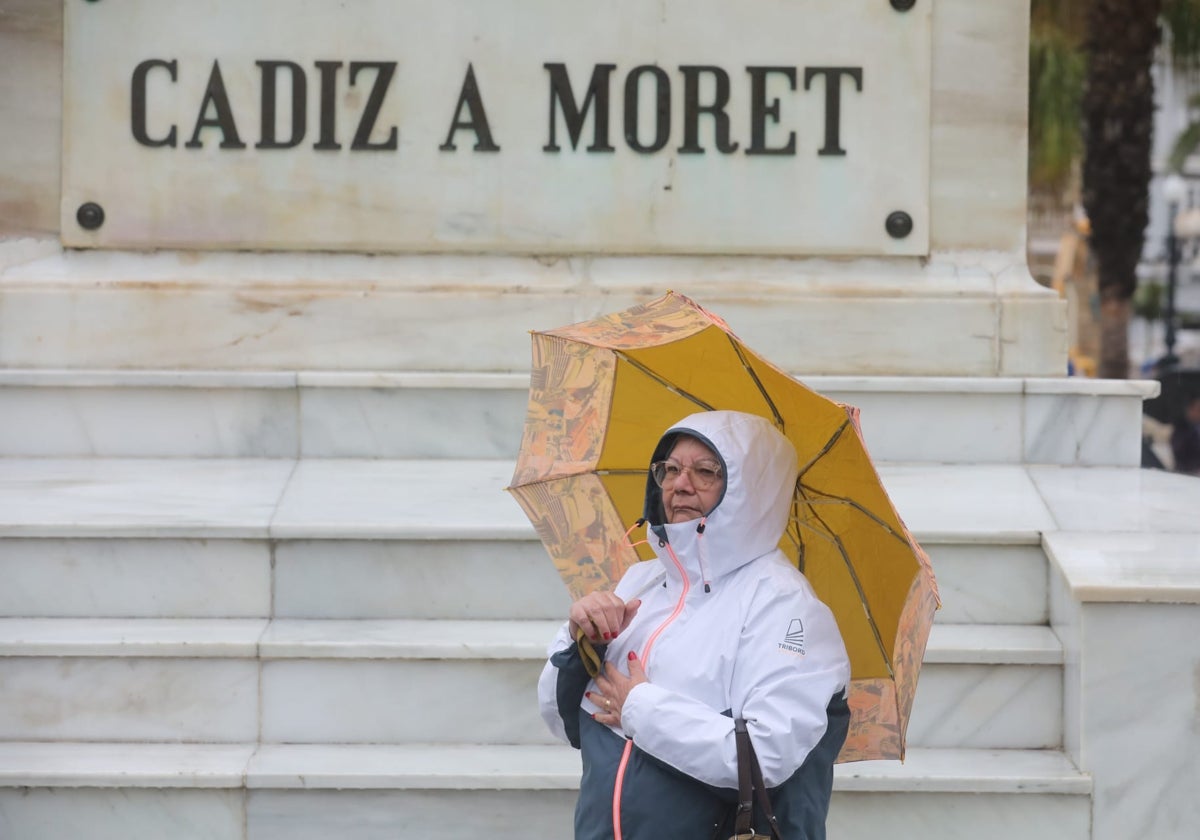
1118, 111
1115, 312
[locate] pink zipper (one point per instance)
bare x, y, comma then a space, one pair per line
618, 787
620, 781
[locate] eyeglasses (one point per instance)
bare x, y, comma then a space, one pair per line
704, 473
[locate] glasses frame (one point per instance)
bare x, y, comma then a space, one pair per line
697, 482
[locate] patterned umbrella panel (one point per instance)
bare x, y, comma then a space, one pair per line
601, 393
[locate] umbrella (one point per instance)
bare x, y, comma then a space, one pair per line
602, 391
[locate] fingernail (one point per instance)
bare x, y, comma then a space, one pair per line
593, 715
607, 636
632, 655
587, 694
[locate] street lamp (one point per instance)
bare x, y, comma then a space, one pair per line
1175, 192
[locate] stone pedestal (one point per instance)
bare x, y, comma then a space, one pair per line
250, 483
966, 306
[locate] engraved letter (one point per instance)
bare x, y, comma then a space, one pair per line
560, 91
327, 141
662, 109
137, 107
223, 119
692, 109
478, 121
833, 102
362, 137
760, 110
270, 73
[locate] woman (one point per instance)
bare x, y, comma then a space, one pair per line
721, 626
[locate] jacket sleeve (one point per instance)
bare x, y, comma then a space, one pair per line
782, 685
564, 678
561, 685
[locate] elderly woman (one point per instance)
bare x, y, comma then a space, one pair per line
722, 626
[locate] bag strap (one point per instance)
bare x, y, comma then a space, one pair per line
750, 786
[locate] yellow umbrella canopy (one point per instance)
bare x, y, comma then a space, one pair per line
601, 394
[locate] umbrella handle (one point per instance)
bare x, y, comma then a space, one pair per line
592, 660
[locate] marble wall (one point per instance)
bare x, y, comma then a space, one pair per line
969, 309
1127, 609
31, 113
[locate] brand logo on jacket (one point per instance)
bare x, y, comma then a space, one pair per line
793, 640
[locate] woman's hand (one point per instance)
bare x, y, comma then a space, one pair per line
602, 615
612, 687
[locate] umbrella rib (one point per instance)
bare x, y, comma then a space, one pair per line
550, 478
559, 476
862, 595
833, 439
757, 382
669, 386
830, 499
797, 539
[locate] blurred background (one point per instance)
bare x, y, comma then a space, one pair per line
1114, 194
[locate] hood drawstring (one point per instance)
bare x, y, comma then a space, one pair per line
640, 522
621, 571
700, 553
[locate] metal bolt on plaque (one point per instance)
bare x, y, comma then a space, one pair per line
899, 224
903, 5
90, 215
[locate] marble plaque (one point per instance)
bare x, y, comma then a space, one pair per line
501, 126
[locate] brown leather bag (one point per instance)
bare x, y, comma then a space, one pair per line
750, 788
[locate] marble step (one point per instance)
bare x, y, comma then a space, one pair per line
357, 538
288, 681
56, 791
57, 577
148, 413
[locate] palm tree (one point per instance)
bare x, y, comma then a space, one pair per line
1116, 41
1118, 119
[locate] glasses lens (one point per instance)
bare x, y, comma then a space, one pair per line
664, 473
703, 474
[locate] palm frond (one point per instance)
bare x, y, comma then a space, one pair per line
1057, 66
1068, 16
1185, 145
1182, 18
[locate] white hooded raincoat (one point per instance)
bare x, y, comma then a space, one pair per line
727, 628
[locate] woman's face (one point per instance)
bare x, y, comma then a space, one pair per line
682, 499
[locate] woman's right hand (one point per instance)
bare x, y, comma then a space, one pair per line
602, 615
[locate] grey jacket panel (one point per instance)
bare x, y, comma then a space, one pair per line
660, 803
657, 801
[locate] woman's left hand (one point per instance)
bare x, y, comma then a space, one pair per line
612, 687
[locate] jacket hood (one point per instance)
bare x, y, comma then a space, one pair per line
760, 468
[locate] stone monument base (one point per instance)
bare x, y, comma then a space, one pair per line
975, 314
